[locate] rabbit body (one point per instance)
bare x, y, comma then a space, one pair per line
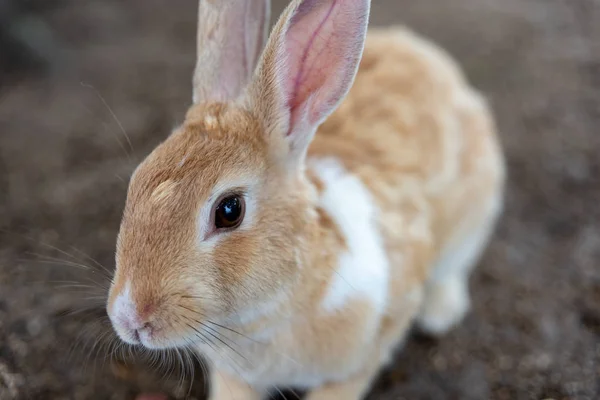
413, 150
348, 238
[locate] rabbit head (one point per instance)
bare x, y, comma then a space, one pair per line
219, 217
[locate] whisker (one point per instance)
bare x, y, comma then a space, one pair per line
203, 325
111, 112
188, 364
191, 355
190, 348
219, 325
91, 288
49, 246
67, 263
206, 326
204, 369
281, 393
206, 376
203, 338
119, 177
222, 341
111, 350
288, 357
130, 350
78, 338
56, 261
171, 359
180, 358
93, 348
116, 136
96, 262
101, 299
74, 286
106, 346
184, 369
81, 310
233, 331
193, 297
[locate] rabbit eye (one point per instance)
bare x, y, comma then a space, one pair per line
230, 212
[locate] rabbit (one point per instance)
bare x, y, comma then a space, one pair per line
327, 191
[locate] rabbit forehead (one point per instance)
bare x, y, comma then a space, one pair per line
216, 144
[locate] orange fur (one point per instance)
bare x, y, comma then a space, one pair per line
414, 132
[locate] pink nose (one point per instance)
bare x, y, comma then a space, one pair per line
132, 324
138, 329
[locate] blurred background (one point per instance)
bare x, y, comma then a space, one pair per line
88, 88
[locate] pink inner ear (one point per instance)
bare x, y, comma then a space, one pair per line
322, 44
307, 65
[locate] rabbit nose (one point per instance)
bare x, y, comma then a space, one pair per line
133, 319
137, 324
144, 329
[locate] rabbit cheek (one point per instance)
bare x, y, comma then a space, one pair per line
233, 257
250, 272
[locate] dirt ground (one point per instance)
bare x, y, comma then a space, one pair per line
115, 66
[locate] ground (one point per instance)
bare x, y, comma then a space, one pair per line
114, 67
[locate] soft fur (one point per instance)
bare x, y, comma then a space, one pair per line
348, 238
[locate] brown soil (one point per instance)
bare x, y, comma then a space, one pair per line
64, 162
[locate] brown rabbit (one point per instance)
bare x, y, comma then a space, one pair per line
289, 259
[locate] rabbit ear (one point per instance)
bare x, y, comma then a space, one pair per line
308, 67
231, 36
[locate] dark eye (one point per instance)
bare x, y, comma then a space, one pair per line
230, 212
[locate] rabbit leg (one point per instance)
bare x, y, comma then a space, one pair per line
225, 387
354, 388
447, 297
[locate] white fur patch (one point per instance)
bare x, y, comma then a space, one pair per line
363, 271
124, 316
123, 306
164, 190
